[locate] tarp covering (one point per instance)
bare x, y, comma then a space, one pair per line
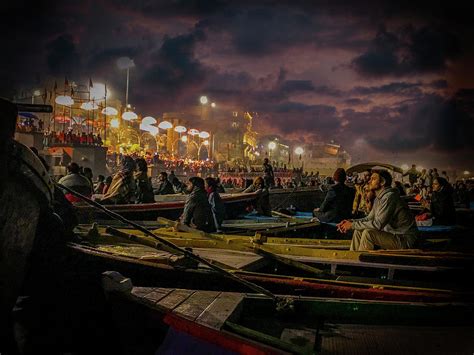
366, 166
27, 115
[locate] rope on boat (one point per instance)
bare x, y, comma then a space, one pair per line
281, 302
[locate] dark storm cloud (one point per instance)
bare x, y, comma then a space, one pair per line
174, 66
357, 102
25, 28
397, 88
291, 86
435, 123
298, 86
293, 117
261, 31
102, 61
166, 8
439, 84
408, 50
62, 56
229, 86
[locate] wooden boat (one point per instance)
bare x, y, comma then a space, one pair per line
171, 206
185, 320
25, 195
168, 206
149, 266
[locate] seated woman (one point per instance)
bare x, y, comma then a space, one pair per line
441, 206
197, 210
263, 196
122, 187
144, 190
217, 206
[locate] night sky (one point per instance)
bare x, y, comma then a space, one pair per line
390, 81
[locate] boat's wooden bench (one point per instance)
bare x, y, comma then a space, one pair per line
391, 268
209, 308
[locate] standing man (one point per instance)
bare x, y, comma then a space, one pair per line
412, 175
268, 175
389, 225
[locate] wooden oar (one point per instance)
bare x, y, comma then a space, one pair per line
156, 245
280, 301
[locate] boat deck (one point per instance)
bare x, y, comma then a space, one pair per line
212, 309
209, 308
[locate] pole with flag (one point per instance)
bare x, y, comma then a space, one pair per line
53, 96
105, 116
88, 114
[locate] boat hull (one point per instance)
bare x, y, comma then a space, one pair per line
171, 206
146, 273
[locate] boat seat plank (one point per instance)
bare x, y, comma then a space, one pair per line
174, 298
141, 291
194, 305
221, 309
238, 260
157, 294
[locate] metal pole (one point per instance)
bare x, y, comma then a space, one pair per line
105, 116
126, 92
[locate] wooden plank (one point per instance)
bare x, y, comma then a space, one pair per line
223, 308
239, 260
141, 291
194, 305
174, 298
351, 262
418, 260
157, 294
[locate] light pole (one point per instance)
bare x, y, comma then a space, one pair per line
35, 93
165, 125
126, 63
271, 146
299, 151
204, 101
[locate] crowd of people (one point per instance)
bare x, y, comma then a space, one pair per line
203, 210
71, 138
28, 125
370, 204
167, 162
375, 208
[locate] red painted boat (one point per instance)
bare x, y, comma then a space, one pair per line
212, 322
168, 206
